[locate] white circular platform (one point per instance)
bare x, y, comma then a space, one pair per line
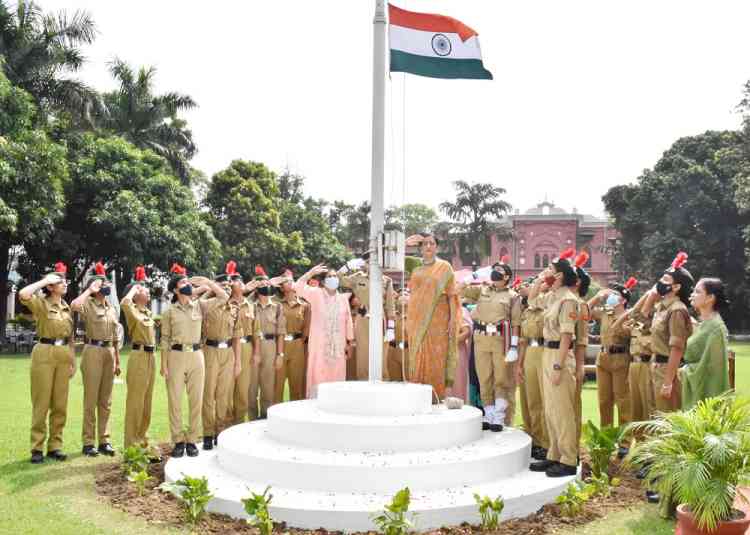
335, 461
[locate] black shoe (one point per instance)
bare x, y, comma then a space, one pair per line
485, 426
642, 473
37, 457
622, 452
178, 450
652, 496
57, 455
496, 428
539, 454
208, 443
216, 440
541, 466
561, 470
192, 449
90, 451
106, 449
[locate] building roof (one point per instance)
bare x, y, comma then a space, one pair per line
545, 208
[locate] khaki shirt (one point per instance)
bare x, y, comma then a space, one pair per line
140, 321
359, 284
610, 337
671, 326
100, 320
532, 323
246, 318
52, 320
221, 322
270, 318
640, 338
297, 316
560, 314
582, 324
182, 324
494, 304
400, 327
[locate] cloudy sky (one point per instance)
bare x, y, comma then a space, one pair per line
586, 93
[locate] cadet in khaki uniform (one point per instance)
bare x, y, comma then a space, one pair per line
497, 324
530, 374
100, 361
294, 365
639, 374
398, 347
246, 321
52, 362
268, 349
613, 362
582, 336
141, 372
221, 353
182, 363
561, 312
359, 283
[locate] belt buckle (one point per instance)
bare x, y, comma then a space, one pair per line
58, 342
223, 345
288, 338
245, 340
401, 345
534, 343
490, 328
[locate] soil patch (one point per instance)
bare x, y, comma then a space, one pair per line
161, 508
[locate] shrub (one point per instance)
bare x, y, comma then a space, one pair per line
489, 510
256, 506
193, 493
571, 501
601, 445
393, 520
134, 459
140, 479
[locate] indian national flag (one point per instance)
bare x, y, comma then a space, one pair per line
434, 45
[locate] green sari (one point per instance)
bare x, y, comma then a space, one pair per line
706, 373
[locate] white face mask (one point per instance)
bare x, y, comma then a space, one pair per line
332, 283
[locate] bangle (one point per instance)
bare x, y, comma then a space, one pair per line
557, 367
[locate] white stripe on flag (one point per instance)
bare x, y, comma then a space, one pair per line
421, 43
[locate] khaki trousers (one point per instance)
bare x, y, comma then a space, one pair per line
50, 378
217, 389
294, 370
561, 409
533, 396
97, 370
140, 378
395, 356
657, 380
186, 370
641, 391
612, 388
242, 383
362, 337
496, 377
263, 379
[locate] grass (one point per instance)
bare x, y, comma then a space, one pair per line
60, 498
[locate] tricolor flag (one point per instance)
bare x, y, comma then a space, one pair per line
434, 45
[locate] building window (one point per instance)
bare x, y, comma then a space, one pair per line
523, 261
537, 261
545, 261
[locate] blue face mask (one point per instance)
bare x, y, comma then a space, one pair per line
186, 290
105, 291
612, 300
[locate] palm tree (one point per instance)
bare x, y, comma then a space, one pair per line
40, 50
150, 121
471, 212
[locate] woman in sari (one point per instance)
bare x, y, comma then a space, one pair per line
331, 329
706, 373
435, 319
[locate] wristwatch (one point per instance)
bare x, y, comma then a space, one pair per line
280, 355
556, 367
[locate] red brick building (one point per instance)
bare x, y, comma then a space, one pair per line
541, 233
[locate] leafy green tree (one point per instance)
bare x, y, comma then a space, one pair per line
475, 214
33, 172
243, 207
147, 120
124, 206
40, 52
691, 200
411, 218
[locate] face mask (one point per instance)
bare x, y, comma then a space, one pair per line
105, 291
332, 283
265, 290
662, 288
525, 301
496, 276
187, 290
612, 300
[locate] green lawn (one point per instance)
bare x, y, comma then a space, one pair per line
59, 498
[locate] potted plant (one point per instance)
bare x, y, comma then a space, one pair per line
699, 457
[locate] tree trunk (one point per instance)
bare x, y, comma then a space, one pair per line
4, 257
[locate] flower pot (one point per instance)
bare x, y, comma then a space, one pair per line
686, 525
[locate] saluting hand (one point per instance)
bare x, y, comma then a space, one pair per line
278, 280
414, 240
198, 280
52, 278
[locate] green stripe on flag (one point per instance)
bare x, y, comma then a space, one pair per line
435, 67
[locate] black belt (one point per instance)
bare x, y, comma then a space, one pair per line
482, 327
642, 358
661, 359
54, 341
269, 336
538, 341
393, 343
99, 343
217, 343
185, 347
613, 350
552, 344
144, 347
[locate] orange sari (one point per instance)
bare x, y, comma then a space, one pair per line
432, 326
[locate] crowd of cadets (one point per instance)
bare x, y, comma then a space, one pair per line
234, 345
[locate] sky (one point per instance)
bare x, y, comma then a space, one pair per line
586, 94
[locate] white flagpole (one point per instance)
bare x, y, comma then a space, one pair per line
377, 198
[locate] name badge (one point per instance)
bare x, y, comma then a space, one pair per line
491, 329
223, 345
534, 343
288, 338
